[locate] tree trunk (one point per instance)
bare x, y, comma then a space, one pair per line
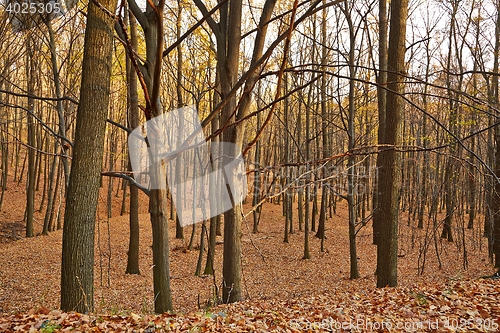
324, 131
161, 261
151, 22
382, 103
133, 245
179, 230
387, 246
351, 160
59, 104
496, 103
256, 180
30, 192
213, 181
77, 272
231, 269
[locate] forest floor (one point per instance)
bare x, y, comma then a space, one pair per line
283, 293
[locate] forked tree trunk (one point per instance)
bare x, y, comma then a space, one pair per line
152, 25
228, 34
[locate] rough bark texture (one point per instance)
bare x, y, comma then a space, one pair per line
161, 262
77, 278
387, 249
231, 270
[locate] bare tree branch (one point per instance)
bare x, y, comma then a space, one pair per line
127, 177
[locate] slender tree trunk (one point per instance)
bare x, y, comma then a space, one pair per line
256, 181
4, 145
202, 248
287, 198
213, 181
51, 193
351, 160
450, 169
111, 152
179, 230
133, 245
496, 104
423, 201
307, 198
59, 103
382, 102
30, 192
387, 246
324, 130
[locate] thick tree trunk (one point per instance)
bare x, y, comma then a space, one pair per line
77, 273
231, 269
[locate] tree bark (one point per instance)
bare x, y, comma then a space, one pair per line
133, 245
231, 269
151, 22
77, 273
387, 246
382, 102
